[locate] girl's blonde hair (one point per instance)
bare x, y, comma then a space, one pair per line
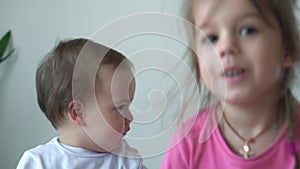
284, 11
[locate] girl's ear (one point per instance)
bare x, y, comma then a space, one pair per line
75, 112
288, 60
289, 57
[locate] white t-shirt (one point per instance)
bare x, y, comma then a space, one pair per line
55, 155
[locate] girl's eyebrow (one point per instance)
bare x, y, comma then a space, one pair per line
203, 25
245, 16
259, 17
251, 15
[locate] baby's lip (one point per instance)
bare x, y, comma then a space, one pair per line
126, 130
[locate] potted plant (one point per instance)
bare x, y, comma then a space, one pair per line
4, 47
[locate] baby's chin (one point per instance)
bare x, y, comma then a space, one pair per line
108, 148
125, 133
116, 144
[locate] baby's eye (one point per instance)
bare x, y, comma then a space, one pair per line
121, 108
208, 39
247, 31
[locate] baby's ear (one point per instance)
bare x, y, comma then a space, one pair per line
76, 112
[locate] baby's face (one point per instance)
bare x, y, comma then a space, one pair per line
108, 121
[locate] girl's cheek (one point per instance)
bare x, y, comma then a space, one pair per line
204, 76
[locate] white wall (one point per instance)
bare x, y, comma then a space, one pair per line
36, 25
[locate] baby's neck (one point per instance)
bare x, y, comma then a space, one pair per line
77, 138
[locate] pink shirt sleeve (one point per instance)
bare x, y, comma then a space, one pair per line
176, 156
182, 148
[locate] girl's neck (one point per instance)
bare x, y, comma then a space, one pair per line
250, 118
254, 113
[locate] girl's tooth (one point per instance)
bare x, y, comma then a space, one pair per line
232, 73
235, 72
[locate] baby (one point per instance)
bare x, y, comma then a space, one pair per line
85, 90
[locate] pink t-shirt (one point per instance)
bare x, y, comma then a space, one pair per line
214, 153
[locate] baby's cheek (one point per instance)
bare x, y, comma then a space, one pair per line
118, 125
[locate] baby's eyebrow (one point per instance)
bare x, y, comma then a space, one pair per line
125, 101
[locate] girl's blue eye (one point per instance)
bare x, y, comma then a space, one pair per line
210, 39
247, 31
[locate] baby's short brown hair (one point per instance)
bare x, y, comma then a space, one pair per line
54, 76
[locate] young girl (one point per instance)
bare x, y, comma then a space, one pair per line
246, 52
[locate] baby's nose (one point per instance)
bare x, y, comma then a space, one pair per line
129, 117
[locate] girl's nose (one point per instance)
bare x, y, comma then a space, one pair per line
228, 46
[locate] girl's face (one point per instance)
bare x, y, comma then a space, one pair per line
108, 120
241, 54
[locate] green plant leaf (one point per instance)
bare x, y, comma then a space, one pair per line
6, 56
3, 44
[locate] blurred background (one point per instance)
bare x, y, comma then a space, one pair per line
37, 26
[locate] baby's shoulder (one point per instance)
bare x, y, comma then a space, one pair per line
33, 158
42, 148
